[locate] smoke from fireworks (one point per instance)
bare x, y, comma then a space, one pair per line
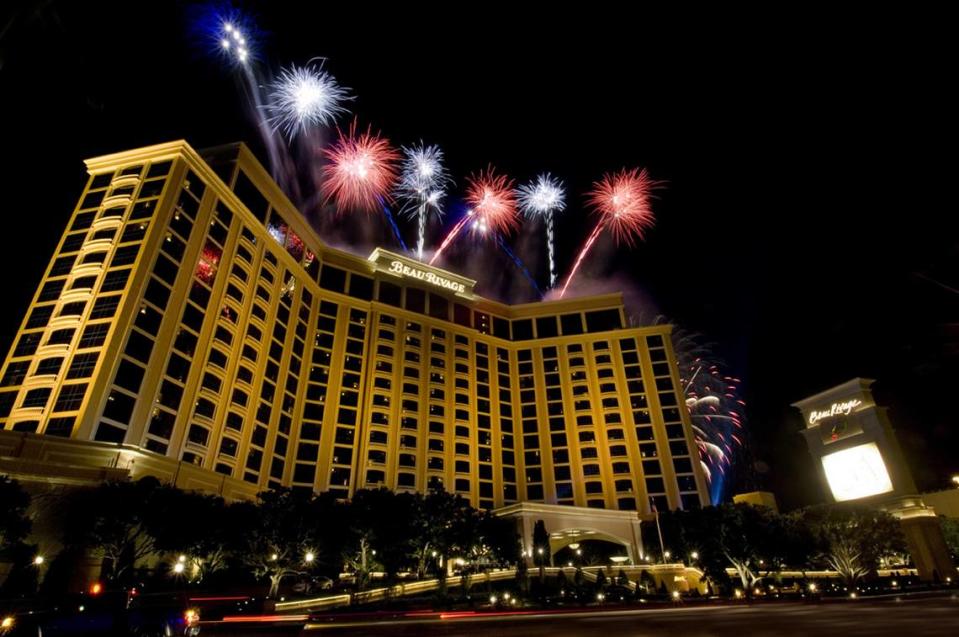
544, 197
361, 171
493, 207
302, 97
622, 201
423, 183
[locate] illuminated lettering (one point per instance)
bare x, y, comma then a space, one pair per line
836, 409
398, 267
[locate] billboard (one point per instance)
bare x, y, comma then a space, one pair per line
857, 472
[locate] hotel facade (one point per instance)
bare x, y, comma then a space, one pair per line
191, 325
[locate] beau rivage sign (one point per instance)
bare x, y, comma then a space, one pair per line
398, 267
841, 408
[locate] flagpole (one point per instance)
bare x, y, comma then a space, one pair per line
659, 530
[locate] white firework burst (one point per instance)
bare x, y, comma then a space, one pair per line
543, 198
422, 186
546, 195
302, 97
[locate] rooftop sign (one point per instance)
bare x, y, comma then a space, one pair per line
401, 266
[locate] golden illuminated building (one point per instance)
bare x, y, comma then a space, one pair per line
192, 321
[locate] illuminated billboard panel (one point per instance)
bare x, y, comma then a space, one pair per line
856, 473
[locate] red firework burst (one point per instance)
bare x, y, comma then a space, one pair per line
493, 201
361, 171
623, 201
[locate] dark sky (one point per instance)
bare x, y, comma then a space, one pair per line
807, 227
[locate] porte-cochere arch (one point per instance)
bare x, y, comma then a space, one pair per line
568, 525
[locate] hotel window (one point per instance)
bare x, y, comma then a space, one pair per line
115, 280
40, 316
70, 398
37, 397
27, 344
105, 307
82, 366
51, 290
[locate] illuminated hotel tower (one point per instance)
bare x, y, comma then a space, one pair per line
191, 325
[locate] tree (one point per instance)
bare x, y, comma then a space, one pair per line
852, 540
950, 532
381, 530
433, 519
201, 527
600, 580
753, 540
14, 522
279, 536
114, 519
541, 552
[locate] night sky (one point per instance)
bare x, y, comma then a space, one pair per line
807, 226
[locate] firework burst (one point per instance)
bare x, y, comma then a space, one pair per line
492, 208
493, 202
422, 186
715, 409
543, 198
623, 202
361, 171
302, 97
224, 31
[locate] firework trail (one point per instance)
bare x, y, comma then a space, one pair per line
622, 201
452, 235
361, 171
544, 197
493, 207
392, 221
519, 264
422, 185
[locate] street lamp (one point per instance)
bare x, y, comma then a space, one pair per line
38, 560
309, 557
274, 557
667, 555
178, 568
694, 555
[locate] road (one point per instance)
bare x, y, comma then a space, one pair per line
908, 617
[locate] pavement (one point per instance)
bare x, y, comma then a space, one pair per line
849, 618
